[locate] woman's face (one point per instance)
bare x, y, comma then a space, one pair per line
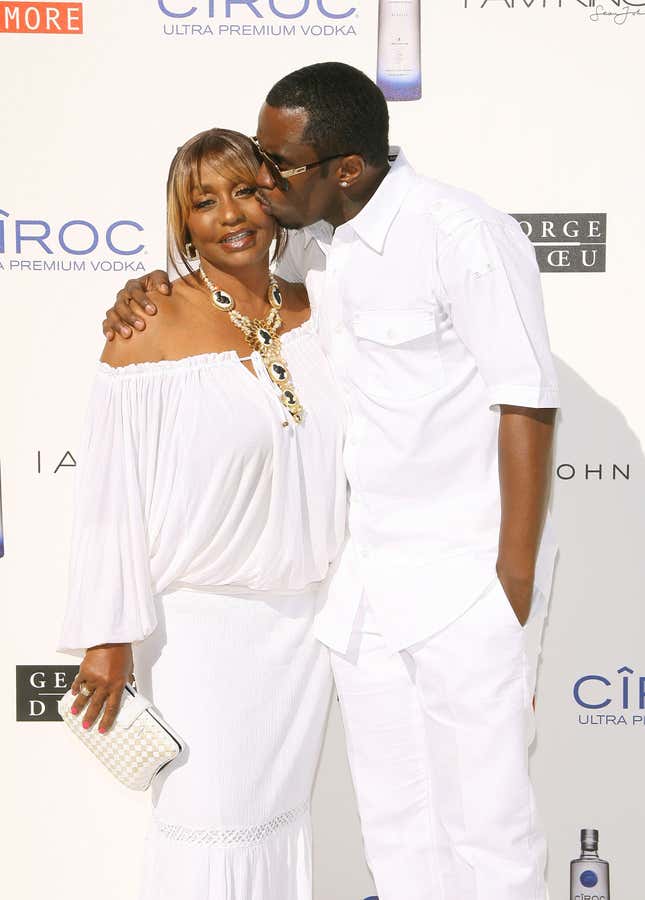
226, 223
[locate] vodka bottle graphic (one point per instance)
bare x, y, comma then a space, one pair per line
589, 874
399, 49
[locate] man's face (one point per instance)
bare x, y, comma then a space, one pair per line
305, 198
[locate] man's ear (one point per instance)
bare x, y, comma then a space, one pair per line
350, 170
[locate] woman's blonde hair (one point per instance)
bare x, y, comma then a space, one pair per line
232, 156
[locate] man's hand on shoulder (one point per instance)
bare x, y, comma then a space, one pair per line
149, 344
133, 303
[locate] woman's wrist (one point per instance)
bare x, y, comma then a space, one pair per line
107, 646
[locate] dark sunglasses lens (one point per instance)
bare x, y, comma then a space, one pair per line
268, 162
275, 173
262, 158
258, 154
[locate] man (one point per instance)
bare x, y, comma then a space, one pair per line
428, 304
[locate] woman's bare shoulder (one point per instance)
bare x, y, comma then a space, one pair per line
148, 345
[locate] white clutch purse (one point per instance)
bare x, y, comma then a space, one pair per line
137, 746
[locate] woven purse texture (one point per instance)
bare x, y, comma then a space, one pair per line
138, 744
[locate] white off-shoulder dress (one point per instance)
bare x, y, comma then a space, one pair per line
203, 528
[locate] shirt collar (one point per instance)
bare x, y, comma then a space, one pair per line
373, 222
319, 231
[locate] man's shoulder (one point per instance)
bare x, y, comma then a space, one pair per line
466, 227
300, 254
450, 208
297, 239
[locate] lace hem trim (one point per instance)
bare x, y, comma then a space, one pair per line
237, 837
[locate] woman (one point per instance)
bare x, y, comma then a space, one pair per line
210, 500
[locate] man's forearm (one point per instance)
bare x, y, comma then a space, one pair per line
525, 448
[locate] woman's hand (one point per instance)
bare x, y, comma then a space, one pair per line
105, 670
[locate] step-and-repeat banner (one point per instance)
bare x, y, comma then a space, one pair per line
534, 104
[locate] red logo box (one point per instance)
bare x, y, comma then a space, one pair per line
41, 18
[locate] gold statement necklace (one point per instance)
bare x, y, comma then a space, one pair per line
262, 335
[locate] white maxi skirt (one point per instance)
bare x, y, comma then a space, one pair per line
243, 681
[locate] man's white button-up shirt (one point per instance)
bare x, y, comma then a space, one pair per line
429, 305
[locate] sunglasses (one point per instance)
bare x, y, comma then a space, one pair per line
281, 176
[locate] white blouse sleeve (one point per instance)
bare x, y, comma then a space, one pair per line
110, 596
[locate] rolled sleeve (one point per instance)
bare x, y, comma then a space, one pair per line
492, 286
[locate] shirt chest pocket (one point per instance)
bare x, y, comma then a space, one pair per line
398, 356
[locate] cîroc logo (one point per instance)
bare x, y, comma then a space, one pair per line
259, 9
258, 18
615, 700
39, 245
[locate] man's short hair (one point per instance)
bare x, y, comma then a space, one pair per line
347, 112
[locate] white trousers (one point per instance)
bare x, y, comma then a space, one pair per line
437, 738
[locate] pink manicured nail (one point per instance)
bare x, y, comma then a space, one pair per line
74, 710
86, 724
102, 729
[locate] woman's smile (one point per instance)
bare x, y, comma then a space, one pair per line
238, 240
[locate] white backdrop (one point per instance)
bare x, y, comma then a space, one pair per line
534, 105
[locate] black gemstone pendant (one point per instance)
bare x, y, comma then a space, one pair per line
278, 372
223, 300
264, 337
276, 296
